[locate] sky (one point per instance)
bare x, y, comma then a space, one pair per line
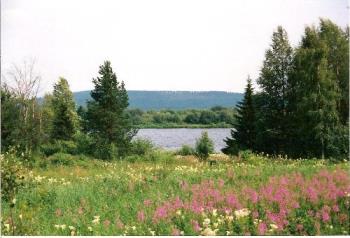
195, 45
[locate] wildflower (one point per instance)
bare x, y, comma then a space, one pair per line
133, 228
57, 226
215, 212
175, 232
178, 212
153, 233
182, 233
229, 218
195, 225
96, 220
89, 228
20, 216
63, 227
206, 222
71, 227
140, 216
273, 226
208, 232
14, 201
216, 225
228, 233
106, 223
242, 213
262, 228
7, 226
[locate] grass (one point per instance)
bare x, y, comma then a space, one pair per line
92, 197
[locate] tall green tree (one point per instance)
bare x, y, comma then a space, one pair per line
319, 127
337, 42
274, 82
244, 132
65, 118
106, 116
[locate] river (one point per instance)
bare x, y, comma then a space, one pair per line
173, 139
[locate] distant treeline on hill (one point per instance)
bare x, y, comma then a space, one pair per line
156, 100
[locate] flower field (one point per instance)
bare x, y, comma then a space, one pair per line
181, 196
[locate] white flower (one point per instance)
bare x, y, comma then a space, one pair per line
215, 212
228, 233
63, 226
20, 216
14, 201
133, 227
242, 213
153, 233
96, 220
206, 222
273, 226
57, 226
208, 232
7, 226
178, 212
182, 233
71, 227
89, 228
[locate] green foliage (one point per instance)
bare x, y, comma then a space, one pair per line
12, 172
274, 81
186, 150
141, 147
244, 132
59, 146
107, 120
65, 118
204, 146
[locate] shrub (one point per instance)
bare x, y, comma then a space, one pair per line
84, 143
12, 173
204, 146
61, 159
59, 146
141, 147
186, 150
106, 151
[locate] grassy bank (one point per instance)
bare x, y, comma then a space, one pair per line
179, 195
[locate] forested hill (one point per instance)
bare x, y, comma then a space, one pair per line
147, 100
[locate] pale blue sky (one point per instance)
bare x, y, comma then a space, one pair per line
154, 44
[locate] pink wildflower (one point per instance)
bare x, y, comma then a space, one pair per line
106, 223
195, 225
140, 216
175, 232
147, 202
262, 228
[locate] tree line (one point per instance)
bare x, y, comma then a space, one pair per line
302, 108
104, 131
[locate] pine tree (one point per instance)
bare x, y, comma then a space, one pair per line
244, 132
65, 118
274, 82
106, 116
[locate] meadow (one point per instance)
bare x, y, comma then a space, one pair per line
178, 195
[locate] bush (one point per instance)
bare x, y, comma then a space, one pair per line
12, 175
59, 146
186, 150
141, 147
61, 159
84, 143
106, 151
204, 146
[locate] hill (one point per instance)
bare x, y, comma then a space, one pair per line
156, 100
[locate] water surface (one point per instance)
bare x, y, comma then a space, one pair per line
173, 139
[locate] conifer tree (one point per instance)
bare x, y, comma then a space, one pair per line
274, 82
244, 132
65, 118
106, 117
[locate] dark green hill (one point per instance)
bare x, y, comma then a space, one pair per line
147, 100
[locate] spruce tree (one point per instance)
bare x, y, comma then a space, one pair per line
107, 120
274, 82
244, 132
65, 118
